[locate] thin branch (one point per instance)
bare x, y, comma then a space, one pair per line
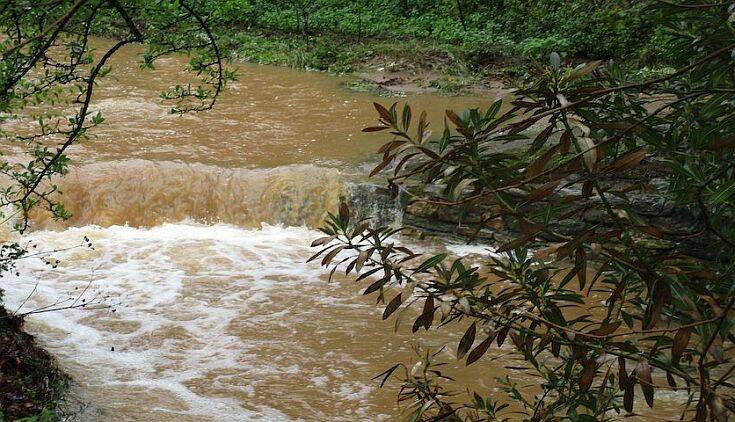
81, 117
56, 26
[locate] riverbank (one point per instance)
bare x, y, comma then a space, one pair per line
31, 385
451, 47
399, 67
414, 47
386, 67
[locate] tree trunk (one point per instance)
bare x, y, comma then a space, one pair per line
461, 14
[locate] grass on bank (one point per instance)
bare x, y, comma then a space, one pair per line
448, 68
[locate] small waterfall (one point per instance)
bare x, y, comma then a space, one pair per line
142, 193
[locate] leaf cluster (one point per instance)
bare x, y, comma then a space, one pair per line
620, 195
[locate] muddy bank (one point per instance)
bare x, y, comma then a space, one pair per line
30, 382
395, 78
386, 67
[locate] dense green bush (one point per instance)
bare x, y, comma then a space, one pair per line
592, 29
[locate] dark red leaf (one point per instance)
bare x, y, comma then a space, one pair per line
392, 306
480, 350
670, 380
502, 334
466, 342
627, 161
375, 128
543, 191
589, 368
428, 312
628, 398
382, 165
513, 244
384, 113
643, 377
385, 375
375, 286
537, 167
681, 340
606, 329
622, 374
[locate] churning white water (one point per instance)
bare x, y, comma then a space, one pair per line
204, 321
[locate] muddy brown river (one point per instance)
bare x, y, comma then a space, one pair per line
201, 225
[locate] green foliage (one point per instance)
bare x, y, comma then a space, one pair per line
618, 279
580, 28
541, 47
594, 29
45, 416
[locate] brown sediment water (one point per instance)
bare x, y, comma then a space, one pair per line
201, 226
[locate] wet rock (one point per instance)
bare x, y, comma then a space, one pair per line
373, 201
426, 219
432, 227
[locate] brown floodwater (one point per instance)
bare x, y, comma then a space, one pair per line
271, 116
201, 225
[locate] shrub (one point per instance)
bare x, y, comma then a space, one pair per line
536, 48
618, 276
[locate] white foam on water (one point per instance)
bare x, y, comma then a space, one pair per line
209, 321
463, 249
